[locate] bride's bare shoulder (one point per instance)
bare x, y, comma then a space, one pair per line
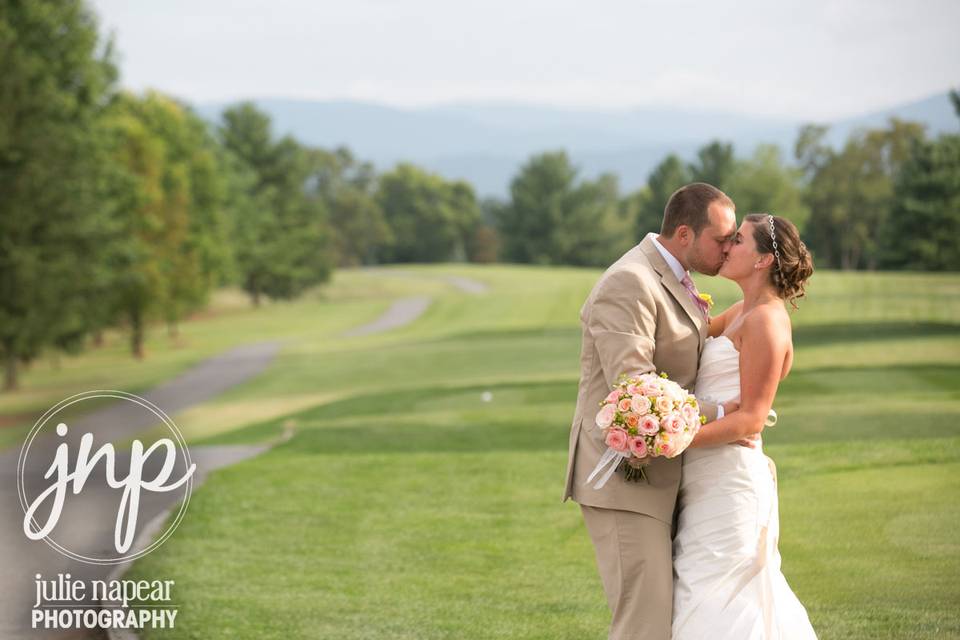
772, 322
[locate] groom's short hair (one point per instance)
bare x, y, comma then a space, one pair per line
688, 205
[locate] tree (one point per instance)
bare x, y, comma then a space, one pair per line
483, 246
666, 177
429, 217
283, 235
347, 188
484, 243
167, 194
463, 200
925, 224
359, 228
850, 193
56, 78
193, 240
811, 151
245, 132
595, 231
553, 219
763, 183
538, 196
715, 165
137, 287
297, 245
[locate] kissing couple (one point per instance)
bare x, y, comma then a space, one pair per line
690, 550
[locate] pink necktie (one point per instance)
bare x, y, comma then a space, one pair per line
691, 288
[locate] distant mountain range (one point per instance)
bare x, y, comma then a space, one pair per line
486, 143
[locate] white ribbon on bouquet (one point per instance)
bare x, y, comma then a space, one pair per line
610, 457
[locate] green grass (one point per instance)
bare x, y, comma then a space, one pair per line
229, 321
873, 551
407, 507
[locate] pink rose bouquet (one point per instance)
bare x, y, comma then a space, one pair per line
644, 417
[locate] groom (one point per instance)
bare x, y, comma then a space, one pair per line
644, 315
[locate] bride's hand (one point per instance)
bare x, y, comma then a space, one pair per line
751, 442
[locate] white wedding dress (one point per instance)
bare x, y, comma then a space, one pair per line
727, 579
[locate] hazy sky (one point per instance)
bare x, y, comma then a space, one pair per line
809, 59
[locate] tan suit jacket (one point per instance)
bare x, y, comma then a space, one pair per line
637, 319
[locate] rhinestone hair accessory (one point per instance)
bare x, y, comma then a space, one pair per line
773, 236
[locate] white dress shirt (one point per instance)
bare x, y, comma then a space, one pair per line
672, 261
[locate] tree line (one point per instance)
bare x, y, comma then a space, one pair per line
118, 209
889, 198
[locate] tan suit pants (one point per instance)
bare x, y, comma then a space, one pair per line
635, 560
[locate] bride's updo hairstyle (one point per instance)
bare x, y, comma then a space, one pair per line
792, 265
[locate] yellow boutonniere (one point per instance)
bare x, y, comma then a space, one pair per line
706, 297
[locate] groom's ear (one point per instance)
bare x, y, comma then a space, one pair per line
684, 234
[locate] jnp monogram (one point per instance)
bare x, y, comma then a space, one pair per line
68, 474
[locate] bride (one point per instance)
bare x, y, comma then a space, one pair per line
727, 579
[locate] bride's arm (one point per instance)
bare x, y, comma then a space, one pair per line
762, 353
719, 323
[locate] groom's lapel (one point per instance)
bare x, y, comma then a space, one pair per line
669, 280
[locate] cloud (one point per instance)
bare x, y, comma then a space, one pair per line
812, 59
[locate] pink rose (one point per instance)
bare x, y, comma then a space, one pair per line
666, 444
638, 447
664, 405
613, 396
649, 426
640, 405
617, 439
606, 415
632, 420
633, 389
624, 405
690, 415
681, 423
672, 422
652, 389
